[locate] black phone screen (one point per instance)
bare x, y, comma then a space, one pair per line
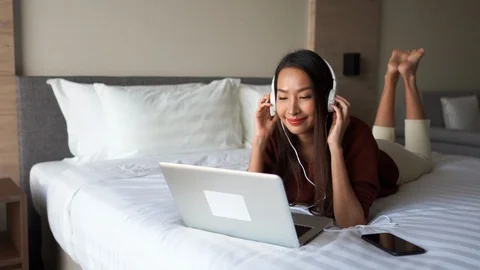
392, 244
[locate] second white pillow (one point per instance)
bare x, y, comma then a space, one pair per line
250, 95
461, 113
171, 119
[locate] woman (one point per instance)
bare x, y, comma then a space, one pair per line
334, 162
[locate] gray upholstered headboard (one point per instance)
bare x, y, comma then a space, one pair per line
42, 129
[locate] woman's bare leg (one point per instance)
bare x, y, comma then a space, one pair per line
417, 127
408, 70
413, 160
386, 108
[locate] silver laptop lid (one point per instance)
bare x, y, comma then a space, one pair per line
241, 204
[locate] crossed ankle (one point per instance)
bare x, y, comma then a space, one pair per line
392, 75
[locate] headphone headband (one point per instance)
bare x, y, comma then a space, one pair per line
334, 84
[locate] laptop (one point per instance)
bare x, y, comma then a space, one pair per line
240, 204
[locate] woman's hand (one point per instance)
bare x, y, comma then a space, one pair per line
264, 122
341, 120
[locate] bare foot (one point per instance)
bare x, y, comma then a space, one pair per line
409, 66
404, 55
397, 57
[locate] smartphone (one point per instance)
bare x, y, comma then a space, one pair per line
393, 244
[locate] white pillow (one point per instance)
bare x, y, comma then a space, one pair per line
171, 119
83, 115
250, 95
461, 113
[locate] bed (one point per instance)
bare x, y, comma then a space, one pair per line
118, 214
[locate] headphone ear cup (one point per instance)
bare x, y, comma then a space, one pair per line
272, 99
331, 99
333, 91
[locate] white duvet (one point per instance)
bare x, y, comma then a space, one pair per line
120, 215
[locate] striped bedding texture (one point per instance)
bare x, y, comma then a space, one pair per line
130, 222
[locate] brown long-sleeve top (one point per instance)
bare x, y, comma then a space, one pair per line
372, 173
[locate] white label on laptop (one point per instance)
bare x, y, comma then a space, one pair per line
227, 205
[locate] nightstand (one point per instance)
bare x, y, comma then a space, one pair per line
14, 241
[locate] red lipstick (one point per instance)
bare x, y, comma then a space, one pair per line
296, 121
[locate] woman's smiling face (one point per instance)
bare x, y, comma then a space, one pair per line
295, 102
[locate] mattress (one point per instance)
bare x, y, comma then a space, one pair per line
120, 215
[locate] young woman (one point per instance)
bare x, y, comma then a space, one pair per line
333, 162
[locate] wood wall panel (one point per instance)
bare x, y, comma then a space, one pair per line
312, 21
7, 100
8, 105
344, 26
7, 62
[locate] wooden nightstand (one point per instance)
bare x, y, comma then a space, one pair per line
14, 242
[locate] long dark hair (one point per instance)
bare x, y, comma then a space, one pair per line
322, 81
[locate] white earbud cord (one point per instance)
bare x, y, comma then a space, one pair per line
296, 153
373, 223
298, 158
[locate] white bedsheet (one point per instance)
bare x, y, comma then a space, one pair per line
120, 215
53, 185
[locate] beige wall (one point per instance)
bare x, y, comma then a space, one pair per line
163, 37
449, 32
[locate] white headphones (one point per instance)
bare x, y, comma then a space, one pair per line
330, 100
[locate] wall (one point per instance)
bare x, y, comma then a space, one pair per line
151, 38
447, 30
344, 26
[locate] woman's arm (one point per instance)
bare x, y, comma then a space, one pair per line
257, 155
264, 125
346, 206
352, 198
